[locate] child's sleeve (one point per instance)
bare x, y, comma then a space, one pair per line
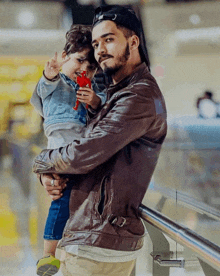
42, 90
36, 101
46, 87
100, 94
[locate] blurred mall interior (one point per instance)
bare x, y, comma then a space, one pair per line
183, 41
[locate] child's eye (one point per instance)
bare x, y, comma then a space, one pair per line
80, 60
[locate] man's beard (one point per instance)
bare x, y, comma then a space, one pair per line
111, 71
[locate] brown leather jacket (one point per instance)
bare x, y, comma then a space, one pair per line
113, 164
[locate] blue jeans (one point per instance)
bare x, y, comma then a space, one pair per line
57, 216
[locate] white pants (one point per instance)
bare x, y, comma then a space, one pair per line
74, 265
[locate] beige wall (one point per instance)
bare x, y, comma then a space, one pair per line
191, 66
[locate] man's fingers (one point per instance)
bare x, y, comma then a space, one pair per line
55, 197
56, 176
54, 188
56, 182
54, 191
50, 183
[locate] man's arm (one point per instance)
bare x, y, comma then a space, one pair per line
131, 117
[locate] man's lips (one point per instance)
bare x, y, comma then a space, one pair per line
101, 59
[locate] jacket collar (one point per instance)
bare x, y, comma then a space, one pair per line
138, 71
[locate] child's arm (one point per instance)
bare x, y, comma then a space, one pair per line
52, 67
50, 79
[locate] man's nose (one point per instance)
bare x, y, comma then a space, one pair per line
101, 49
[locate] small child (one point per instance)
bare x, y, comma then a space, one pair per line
55, 98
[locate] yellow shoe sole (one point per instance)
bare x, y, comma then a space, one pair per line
48, 266
47, 270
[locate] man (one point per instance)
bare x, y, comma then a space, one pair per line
207, 107
114, 161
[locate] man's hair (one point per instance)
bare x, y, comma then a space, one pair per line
209, 94
79, 38
127, 32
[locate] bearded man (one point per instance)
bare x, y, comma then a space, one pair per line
114, 161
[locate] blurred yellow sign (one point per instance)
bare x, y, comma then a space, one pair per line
18, 78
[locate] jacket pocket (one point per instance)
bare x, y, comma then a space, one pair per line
102, 200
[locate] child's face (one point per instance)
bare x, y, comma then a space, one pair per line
77, 64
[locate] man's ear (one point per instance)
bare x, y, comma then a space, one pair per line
64, 54
134, 42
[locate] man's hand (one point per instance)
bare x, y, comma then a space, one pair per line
88, 96
55, 192
52, 67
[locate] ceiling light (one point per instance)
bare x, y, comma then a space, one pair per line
26, 19
195, 19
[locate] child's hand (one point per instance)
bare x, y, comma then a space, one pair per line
52, 67
88, 96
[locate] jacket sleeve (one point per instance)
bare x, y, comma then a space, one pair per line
131, 117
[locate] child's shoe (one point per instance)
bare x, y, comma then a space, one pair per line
48, 266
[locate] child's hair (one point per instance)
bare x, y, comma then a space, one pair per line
79, 38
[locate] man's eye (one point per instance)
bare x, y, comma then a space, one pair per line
80, 60
95, 46
92, 67
109, 39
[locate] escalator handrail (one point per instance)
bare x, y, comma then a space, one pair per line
203, 248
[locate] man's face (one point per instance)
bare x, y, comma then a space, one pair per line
78, 63
111, 47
